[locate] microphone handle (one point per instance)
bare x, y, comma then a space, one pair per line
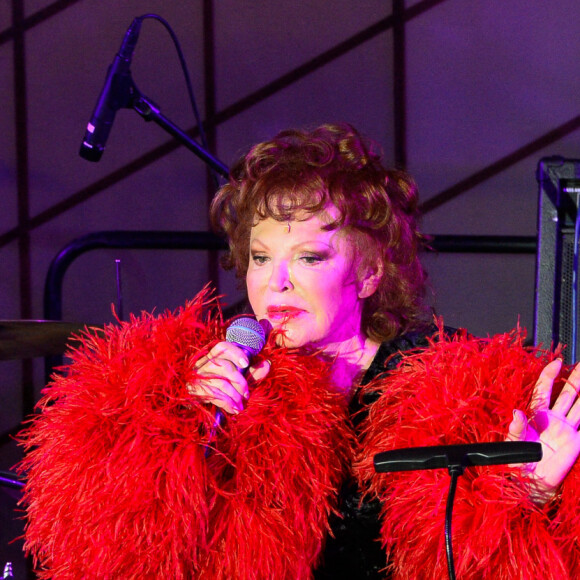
219, 416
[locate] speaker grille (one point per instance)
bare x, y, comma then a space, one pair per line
559, 185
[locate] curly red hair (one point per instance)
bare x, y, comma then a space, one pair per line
300, 173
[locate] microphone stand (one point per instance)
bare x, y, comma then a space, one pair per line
125, 95
147, 109
456, 458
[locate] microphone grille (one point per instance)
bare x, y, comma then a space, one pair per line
248, 333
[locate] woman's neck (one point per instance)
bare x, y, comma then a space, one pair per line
350, 361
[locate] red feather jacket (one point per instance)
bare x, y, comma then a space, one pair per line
120, 482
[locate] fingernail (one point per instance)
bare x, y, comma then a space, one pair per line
243, 363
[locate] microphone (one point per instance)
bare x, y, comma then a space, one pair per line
249, 335
114, 96
464, 455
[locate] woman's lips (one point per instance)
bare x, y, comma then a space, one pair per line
283, 313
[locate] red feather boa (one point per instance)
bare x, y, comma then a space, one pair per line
463, 390
119, 484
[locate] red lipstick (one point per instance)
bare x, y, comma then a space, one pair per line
282, 312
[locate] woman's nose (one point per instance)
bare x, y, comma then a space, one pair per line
280, 278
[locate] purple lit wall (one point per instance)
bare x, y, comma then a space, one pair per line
452, 89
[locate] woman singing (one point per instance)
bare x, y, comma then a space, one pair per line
131, 475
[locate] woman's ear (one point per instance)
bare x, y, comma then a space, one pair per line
370, 280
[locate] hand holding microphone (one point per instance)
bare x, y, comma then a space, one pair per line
221, 373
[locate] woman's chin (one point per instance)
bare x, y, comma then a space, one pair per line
289, 338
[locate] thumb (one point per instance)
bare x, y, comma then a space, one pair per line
260, 370
518, 427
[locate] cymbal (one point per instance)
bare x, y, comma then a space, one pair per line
35, 338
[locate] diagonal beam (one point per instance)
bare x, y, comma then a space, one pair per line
501, 165
36, 18
89, 191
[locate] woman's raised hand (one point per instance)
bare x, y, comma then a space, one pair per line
220, 377
556, 428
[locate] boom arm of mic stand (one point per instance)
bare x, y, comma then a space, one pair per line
150, 112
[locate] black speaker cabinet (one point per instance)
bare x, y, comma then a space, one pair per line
554, 308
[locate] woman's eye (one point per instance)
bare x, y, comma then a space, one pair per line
311, 258
259, 259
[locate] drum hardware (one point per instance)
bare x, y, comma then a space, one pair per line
8, 571
11, 480
11, 486
21, 339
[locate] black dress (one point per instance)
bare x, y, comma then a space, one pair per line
353, 551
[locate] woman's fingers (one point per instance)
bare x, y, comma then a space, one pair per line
260, 370
226, 361
220, 393
555, 428
220, 379
543, 388
518, 427
567, 402
229, 351
574, 414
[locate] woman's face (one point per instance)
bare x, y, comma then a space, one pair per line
303, 279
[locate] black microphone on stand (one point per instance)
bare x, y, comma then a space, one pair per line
463, 455
456, 458
249, 335
115, 95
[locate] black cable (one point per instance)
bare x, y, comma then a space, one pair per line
190, 92
455, 471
